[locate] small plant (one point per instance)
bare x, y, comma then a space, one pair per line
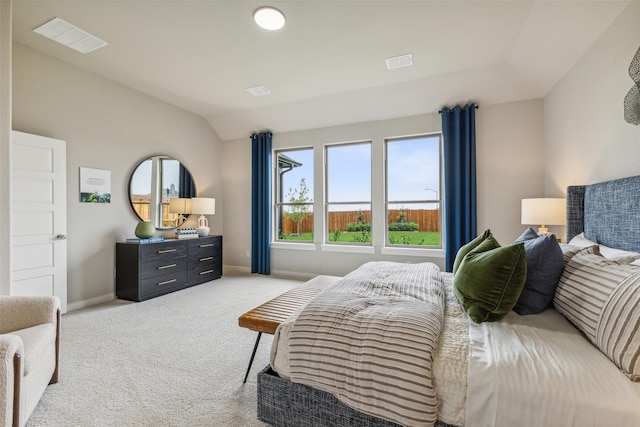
356, 226
364, 237
298, 212
403, 226
401, 223
359, 225
335, 236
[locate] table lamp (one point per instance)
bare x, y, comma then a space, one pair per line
203, 206
544, 211
180, 206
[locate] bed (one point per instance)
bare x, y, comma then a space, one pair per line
550, 368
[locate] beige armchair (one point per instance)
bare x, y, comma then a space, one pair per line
29, 351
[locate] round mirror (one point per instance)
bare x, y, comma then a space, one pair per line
160, 190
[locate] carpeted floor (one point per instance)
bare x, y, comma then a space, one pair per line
176, 360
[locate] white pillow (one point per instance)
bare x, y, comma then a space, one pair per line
625, 257
601, 297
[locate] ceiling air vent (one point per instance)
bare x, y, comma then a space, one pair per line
69, 35
399, 61
258, 90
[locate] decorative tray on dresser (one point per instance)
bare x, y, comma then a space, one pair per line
149, 270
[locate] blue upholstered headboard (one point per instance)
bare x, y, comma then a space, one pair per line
607, 212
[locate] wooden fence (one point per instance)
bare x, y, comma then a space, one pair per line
142, 207
427, 220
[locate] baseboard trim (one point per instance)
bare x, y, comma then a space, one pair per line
227, 270
285, 274
235, 269
89, 302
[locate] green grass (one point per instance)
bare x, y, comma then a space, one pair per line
401, 238
422, 238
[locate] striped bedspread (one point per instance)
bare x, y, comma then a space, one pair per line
369, 339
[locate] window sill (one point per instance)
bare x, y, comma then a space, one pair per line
294, 246
348, 249
431, 253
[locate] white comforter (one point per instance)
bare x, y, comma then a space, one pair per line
538, 370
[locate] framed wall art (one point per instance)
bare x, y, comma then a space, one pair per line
95, 185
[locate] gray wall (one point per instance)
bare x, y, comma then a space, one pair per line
107, 126
509, 163
587, 139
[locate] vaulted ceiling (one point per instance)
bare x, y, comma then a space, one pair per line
327, 66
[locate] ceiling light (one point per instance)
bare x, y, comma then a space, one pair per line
258, 90
399, 61
69, 35
269, 18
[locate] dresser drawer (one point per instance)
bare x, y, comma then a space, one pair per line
162, 251
204, 247
204, 271
200, 259
163, 284
162, 266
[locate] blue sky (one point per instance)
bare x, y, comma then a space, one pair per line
141, 180
413, 172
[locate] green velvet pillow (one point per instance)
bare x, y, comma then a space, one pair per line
489, 279
468, 248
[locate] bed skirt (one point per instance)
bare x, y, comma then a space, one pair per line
282, 403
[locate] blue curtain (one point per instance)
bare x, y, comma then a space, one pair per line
261, 203
460, 212
186, 186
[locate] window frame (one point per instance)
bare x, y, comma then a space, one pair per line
278, 191
327, 244
438, 200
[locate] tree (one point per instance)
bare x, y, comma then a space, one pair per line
298, 210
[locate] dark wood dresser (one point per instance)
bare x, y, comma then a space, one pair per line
149, 270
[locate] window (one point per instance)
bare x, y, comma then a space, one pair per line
348, 197
294, 195
413, 191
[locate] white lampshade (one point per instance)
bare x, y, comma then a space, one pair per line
180, 205
203, 205
544, 211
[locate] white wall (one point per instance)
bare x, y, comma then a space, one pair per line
107, 126
5, 145
509, 164
587, 139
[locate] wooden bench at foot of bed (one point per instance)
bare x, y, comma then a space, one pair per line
268, 316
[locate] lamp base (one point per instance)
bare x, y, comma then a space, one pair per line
203, 231
543, 231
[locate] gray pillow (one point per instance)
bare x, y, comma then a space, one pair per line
545, 263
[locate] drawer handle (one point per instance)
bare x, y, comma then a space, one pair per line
206, 272
166, 282
166, 251
162, 267
209, 258
208, 245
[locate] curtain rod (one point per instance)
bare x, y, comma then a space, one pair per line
258, 133
474, 106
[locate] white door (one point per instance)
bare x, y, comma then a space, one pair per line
39, 216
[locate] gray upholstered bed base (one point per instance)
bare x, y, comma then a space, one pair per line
283, 403
608, 213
